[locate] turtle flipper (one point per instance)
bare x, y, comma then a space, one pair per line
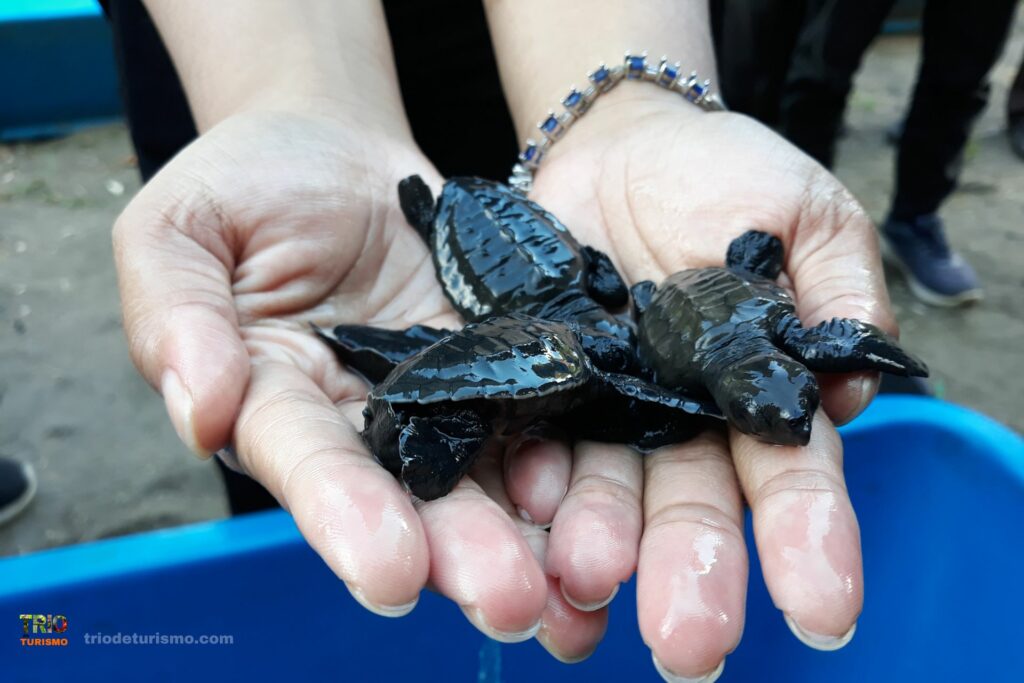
417, 202
633, 411
848, 345
652, 394
642, 293
756, 252
437, 451
604, 284
374, 352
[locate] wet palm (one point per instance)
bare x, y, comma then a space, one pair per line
662, 187
269, 222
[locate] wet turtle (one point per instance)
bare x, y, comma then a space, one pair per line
734, 333
496, 252
436, 411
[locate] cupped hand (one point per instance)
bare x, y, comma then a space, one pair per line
661, 186
266, 223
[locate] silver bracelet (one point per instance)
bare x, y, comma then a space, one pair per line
602, 79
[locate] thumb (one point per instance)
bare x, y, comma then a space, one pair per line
174, 265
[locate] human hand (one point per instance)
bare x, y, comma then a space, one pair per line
272, 220
662, 186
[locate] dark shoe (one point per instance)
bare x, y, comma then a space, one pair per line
936, 274
1016, 131
17, 488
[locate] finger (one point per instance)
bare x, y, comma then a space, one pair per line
294, 441
836, 269
567, 633
692, 576
537, 478
596, 531
480, 559
174, 266
807, 534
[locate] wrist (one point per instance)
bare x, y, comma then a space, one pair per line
369, 121
610, 109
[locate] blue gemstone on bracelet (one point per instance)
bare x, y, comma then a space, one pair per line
600, 75
670, 73
572, 99
550, 124
698, 90
636, 63
529, 153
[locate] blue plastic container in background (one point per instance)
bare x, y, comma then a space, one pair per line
939, 491
57, 69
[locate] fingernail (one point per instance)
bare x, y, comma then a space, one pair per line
670, 677
180, 408
524, 514
229, 457
868, 389
390, 611
590, 606
818, 641
542, 638
477, 618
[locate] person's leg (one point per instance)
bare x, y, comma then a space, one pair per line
754, 43
1015, 113
828, 53
961, 42
450, 86
155, 107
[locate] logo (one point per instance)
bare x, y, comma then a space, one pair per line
45, 630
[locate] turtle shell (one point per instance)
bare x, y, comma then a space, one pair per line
705, 313
512, 357
497, 251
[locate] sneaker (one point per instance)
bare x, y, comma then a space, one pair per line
1016, 131
936, 274
17, 488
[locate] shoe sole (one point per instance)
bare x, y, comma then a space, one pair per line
922, 291
21, 502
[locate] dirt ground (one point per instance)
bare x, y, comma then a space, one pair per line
108, 460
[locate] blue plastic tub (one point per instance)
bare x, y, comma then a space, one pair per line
940, 495
57, 69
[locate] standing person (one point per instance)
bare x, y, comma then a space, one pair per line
960, 43
275, 205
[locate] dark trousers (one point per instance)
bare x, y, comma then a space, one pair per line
460, 121
1015, 102
960, 43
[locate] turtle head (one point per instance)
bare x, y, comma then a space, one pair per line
771, 397
608, 352
609, 341
380, 431
756, 252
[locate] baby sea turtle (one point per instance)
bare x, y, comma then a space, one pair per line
734, 332
496, 252
435, 412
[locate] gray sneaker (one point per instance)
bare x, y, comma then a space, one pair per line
17, 488
936, 274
